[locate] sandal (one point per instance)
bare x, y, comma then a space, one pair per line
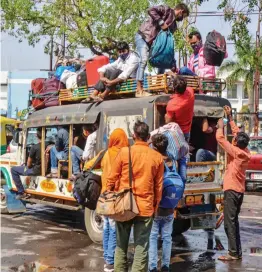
228, 257
87, 100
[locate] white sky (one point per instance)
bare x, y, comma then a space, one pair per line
21, 56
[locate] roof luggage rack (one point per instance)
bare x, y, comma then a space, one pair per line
154, 84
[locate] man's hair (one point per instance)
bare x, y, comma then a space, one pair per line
39, 133
160, 142
179, 84
195, 33
89, 128
242, 140
184, 7
122, 46
141, 130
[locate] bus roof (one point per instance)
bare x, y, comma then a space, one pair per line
205, 105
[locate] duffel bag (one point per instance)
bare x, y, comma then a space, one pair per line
214, 48
88, 186
37, 89
120, 206
51, 90
162, 53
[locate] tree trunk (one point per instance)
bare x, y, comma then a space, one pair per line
251, 107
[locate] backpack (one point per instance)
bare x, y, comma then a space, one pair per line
173, 188
88, 186
36, 89
162, 52
214, 48
82, 78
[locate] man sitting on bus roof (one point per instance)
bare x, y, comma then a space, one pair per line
59, 151
113, 73
32, 168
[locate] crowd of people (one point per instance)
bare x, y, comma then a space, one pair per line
154, 156
132, 64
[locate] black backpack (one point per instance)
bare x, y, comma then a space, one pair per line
214, 48
88, 185
81, 79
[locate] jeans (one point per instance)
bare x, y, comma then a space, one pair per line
76, 154
56, 155
232, 204
182, 163
186, 71
109, 240
142, 49
18, 171
204, 155
164, 224
142, 228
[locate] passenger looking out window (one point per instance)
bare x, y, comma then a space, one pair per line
78, 147
32, 167
209, 150
59, 151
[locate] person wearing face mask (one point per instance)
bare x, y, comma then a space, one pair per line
111, 74
160, 17
197, 64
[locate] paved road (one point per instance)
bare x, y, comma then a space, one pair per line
48, 239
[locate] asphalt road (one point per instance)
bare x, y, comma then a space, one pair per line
48, 239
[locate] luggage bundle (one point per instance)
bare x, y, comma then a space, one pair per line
215, 48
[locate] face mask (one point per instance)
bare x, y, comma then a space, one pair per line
179, 18
124, 56
196, 47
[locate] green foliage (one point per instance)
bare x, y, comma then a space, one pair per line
245, 109
93, 24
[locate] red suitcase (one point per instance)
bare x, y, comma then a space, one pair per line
37, 88
91, 68
50, 91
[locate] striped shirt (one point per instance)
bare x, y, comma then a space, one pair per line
195, 64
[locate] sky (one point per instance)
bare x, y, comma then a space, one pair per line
21, 56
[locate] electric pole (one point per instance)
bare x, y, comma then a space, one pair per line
257, 73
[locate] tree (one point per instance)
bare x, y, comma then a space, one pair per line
97, 25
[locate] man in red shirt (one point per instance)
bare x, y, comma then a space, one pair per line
180, 109
238, 157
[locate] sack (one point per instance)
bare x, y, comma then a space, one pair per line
173, 188
120, 206
88, 186
214, 48
162, 53
82, 79
50, 91
37, 88
69, 79
60, 69
177, 145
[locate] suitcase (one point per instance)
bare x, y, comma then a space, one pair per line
50, 91
37, 89
91, 68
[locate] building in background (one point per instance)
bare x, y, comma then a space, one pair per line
19, 84
3, 94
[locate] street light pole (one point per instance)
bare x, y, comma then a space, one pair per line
257, 73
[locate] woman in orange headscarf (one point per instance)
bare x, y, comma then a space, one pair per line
117, 140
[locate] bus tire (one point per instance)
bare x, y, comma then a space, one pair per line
94, 226
3, 205
180, 226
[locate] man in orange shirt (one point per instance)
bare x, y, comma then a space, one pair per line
234, 184
148, 170
180, 109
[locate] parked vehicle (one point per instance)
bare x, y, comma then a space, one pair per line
8, 126
203, 192
254, 172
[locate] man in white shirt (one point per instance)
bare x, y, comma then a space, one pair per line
111, 74
89, 152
